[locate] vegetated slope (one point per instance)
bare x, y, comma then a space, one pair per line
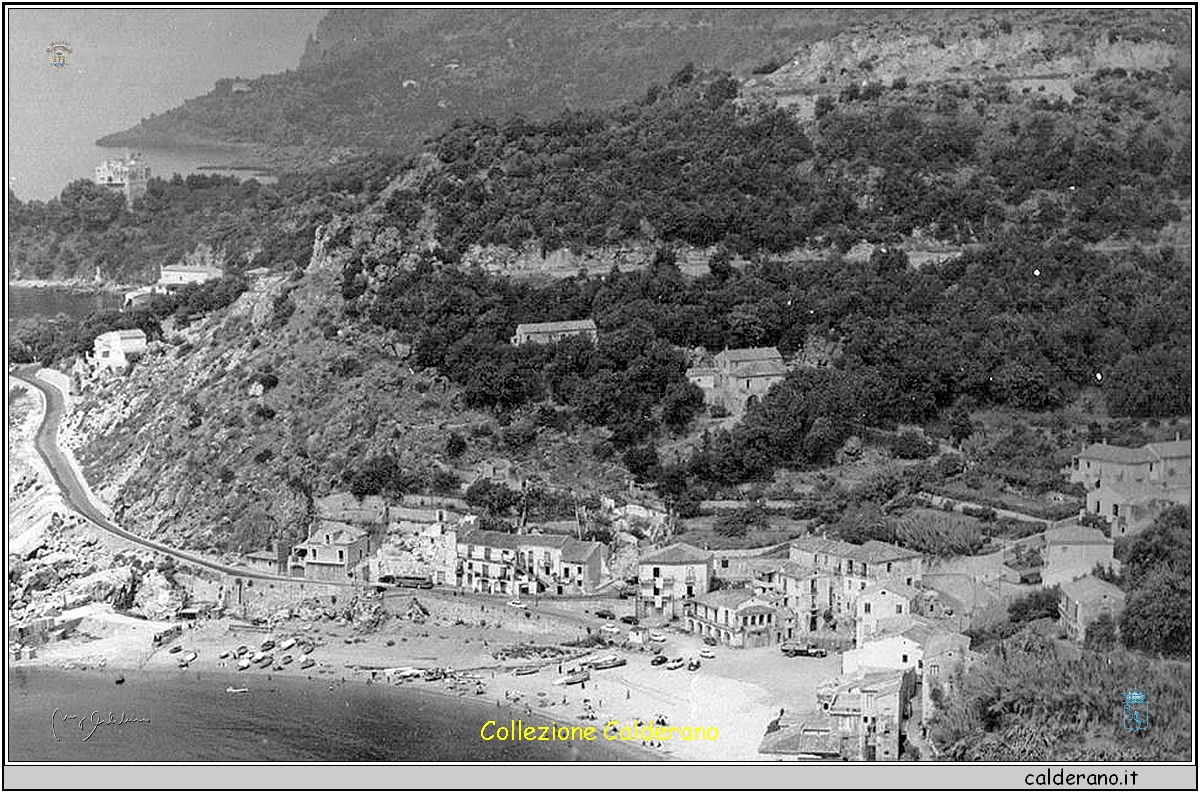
222, 434
385, 79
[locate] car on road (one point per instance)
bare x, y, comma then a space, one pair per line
605, 614
676, 664
707, 653
516, 604
710, 641
610, 628
658, 660
629, 619
657, 637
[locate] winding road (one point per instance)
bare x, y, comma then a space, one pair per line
77, 495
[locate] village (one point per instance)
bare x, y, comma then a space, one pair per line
845, 649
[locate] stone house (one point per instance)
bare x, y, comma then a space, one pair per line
737, 618
117, 348
551, 332
881, 601
1084, 600
1130, 507
1073, 552
668, 577
1168, 463
502, 563
744, 374
333, 552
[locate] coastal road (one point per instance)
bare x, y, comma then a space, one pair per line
77, 496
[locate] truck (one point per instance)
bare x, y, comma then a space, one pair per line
793, 649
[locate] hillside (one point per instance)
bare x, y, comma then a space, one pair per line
1060, 282
383, 79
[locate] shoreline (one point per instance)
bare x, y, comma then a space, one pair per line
474, 713
68, 285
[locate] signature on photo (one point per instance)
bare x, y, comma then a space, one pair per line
89, 723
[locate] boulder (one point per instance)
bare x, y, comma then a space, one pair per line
156, 597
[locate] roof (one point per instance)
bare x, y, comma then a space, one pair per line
872, 552
1090, 589
556, 327
491, 539
677, 553
1169, 450
726, 598
876, 551
339, 533
193, 268
760, 369
579, 550
265, 555
744, 354
896, 587
1116, 454
813, 735
1140, 492
116, 336
1076, 535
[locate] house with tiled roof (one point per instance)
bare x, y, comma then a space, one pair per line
551, 332
503, 563
1072, 552
744, 374
738, 618
868, 713
1130, 507
667, 577
117, 348
1084, 600
334, 552
890, 598
1167, 463
828, 575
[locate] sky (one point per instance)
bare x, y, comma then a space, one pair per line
126, 64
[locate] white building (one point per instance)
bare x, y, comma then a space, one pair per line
115, 349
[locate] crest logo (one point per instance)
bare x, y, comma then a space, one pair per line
59, 51
1137, 711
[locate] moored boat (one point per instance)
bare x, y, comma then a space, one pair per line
287, 645
609, 663
243, 664
232, 690
574, 679
526, 670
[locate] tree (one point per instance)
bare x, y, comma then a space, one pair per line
642, 461
1036, 605
1158, 614
492, 496
455, 445
1101, 634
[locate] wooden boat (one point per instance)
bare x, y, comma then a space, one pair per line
187, 659
120, 679
693, 665
176, 649
574, 679
242, 651
306, 663
267, 645
287, 659
287, 645
257, 657
243, 664
267, 661
609, 663
526, 670
232, 690
224, 654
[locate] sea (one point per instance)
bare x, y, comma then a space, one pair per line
191, 718
45, 302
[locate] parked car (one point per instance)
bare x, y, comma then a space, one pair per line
707, 653
693, 665
710, 641
629, 619
610, 628
516, 604
657, 637
605, 614
658, 660
676, 664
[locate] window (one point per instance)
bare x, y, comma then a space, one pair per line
689, 590
899, 608
657, 572
724, 563
908, 581
904, 658
341, 555
889, 567
1116, 510
866, 608
863, 585
933, 669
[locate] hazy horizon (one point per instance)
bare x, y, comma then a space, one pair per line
125, 64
